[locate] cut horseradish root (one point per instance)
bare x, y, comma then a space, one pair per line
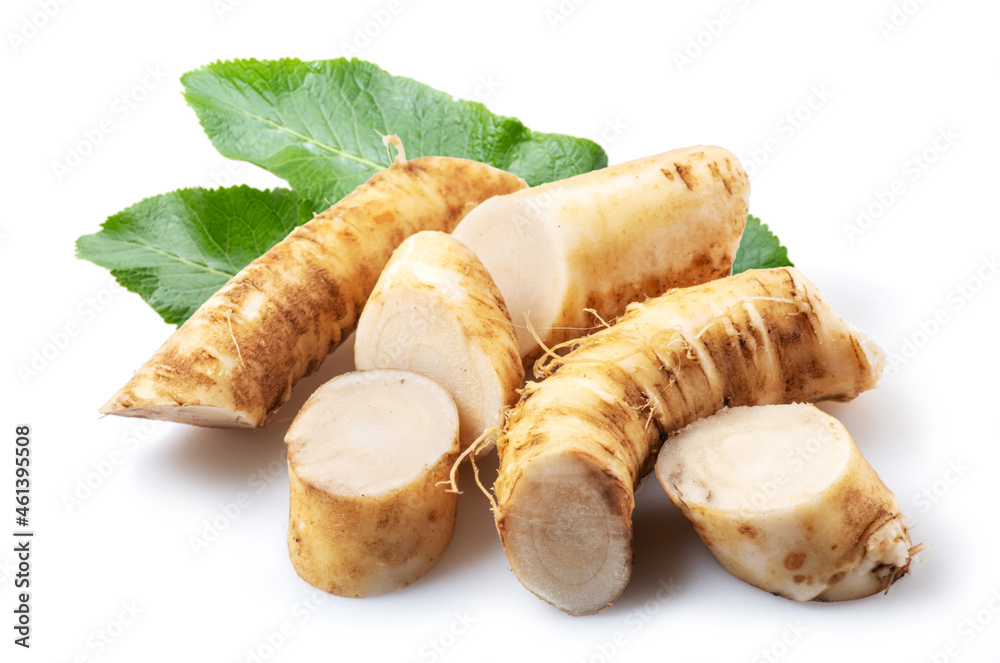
568, 534
436, 311
784, 500
577, 443
368, 459
570, 253
234, 362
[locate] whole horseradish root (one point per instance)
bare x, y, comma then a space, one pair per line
368, 457
784, 500
577, 443
591, 244
234, 362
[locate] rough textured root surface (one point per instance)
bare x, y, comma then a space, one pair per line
764, 336
234, 362
785, 501
600, 240
367, 457
436, 311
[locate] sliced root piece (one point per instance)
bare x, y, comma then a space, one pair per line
367, 458
606, 238
785, 501
574, 533
436, 311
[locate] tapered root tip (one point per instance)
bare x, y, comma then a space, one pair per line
887, 557
196, 415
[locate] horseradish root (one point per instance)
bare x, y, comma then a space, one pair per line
577, 443
366, 455
784, 500
234, 362
436, 311
604, 239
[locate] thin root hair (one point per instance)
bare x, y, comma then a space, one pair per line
550, 361
528, 327
478, 444
229, 319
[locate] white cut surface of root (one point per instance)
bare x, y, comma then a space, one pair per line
572, 533
785, 501
436, 311
368, 457
601, 240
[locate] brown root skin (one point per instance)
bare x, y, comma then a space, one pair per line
764, 336
347, 545
367, 455
235, 361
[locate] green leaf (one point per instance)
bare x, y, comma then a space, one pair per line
175, 250
317, 124
759, 248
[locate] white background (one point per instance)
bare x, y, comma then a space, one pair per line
605, 70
